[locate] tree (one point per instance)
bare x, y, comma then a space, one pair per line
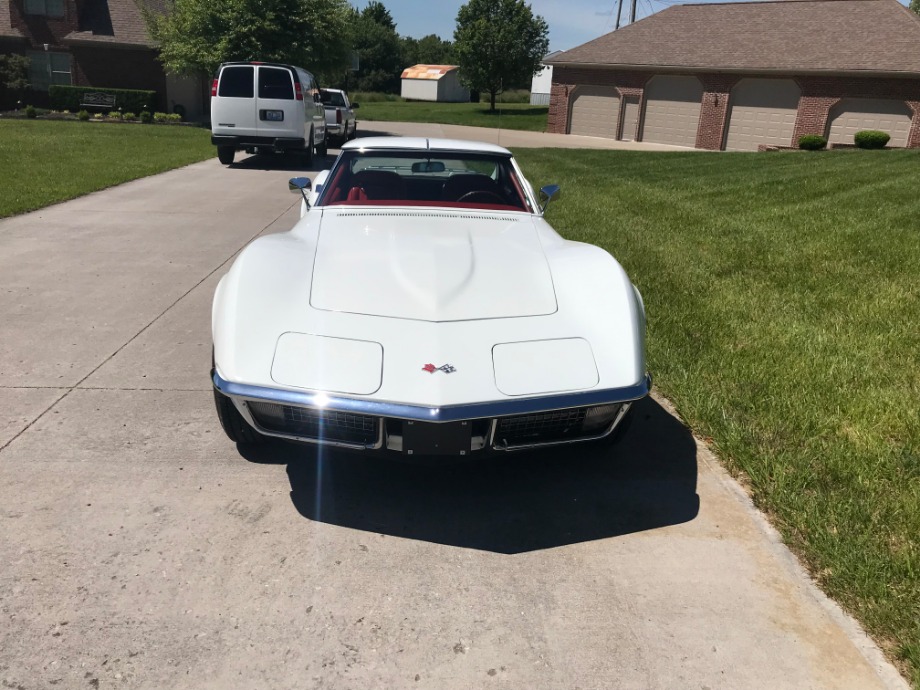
915, 6
14, 77
196, 36
378, 47
498, 43
428, 50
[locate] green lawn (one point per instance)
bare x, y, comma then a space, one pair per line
43, 162
783, 296
507, 116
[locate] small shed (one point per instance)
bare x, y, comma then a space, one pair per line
542, 82
434, 83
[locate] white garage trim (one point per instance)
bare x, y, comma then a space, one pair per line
595, 111
672, 110
762, 111
851, 115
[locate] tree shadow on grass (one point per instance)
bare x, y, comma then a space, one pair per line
512, 503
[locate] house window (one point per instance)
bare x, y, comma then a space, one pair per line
47, 8
46, 69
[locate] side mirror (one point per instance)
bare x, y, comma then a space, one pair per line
300, 185
547, 194
355, 105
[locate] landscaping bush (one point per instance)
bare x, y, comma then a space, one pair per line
130, 116
114, 115
160, 117
30, 111
175, 117
146, 117
812, 142
70, 97
83, 115
871, 139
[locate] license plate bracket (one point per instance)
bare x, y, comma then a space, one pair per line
428, 438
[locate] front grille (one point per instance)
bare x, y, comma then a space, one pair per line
316, 425
545, 427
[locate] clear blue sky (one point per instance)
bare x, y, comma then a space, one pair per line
571, 22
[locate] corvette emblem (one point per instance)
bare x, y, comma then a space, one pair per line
446, 368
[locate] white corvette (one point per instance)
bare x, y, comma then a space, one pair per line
423, 306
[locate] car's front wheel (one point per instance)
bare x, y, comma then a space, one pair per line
236, 428
225, 154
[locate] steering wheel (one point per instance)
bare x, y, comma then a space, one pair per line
482, 193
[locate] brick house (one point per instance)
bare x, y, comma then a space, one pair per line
101, 43
736, 76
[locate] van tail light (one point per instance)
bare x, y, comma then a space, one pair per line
298, 91
338, 116
213, 88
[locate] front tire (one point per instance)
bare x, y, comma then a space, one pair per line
225, 154
354, 132
232, 422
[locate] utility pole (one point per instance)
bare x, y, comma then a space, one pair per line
632, 13
619, 13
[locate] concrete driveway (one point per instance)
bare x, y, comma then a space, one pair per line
141, 549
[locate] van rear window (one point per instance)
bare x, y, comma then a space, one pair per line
236, 82
275, 83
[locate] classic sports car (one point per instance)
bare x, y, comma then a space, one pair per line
423, 306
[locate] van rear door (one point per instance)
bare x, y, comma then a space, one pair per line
233, 112
278, 112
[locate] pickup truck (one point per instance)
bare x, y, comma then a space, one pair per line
340, 116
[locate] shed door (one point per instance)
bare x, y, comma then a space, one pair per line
672, 110
854, 114
630, 118
762, 111
594, 111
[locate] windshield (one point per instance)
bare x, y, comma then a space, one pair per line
458, 179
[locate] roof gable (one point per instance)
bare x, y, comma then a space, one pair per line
785, 35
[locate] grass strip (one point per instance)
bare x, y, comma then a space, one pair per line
522, 116
783, 296
44, 162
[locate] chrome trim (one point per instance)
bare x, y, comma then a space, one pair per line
569, 441
243, 408
448, 413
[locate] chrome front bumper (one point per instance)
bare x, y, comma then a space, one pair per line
490, 412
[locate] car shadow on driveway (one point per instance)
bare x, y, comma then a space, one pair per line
277, 161
510, 503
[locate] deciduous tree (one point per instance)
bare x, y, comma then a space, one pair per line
498, 43
197, 35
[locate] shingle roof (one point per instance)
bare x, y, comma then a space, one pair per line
427, 71
785, 35
6, 28
117, 22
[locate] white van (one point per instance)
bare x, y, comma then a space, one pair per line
262, 107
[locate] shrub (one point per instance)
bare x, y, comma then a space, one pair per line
130, 116
83, 115
98, 116
30, 111
70, 97
871, 139
174, 117
160, 117
114, 115
146, 117
812, 142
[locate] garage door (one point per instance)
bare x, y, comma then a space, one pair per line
762, 111
594, 111
672, 110
853, 114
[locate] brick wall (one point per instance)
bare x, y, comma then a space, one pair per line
40, 30
818, 96
119, 68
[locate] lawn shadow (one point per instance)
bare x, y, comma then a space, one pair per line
507, 504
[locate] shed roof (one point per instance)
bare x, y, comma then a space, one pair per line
877, 36
427, 71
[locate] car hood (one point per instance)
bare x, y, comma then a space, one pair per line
431, 265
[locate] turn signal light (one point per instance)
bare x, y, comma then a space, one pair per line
213, 88
298, 91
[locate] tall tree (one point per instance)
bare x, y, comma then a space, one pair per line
498, 43
915, 6
378, 47
197, 35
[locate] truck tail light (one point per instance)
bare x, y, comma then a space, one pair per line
214, 88
298, 91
